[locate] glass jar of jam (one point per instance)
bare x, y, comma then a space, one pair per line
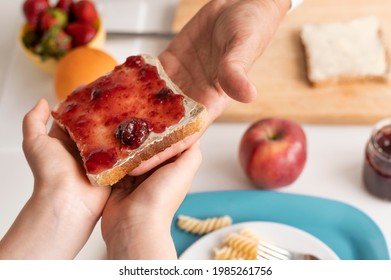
377, 166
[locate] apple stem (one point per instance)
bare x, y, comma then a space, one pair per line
274, 135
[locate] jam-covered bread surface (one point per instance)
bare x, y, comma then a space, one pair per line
126, 117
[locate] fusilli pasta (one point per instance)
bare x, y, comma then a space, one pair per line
229, 253
198, 226
242, 245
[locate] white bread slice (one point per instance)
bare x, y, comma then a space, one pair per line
341, 52
194, 120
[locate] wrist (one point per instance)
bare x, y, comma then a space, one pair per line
150, 239
62, 206
46, 229
72, 198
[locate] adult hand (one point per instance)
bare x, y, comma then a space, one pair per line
210, 57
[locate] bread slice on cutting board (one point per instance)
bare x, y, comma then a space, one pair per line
349, 51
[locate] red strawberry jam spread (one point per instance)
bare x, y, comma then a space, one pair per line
117, 112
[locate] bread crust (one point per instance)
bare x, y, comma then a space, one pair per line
113, 175
348, 79
195, 120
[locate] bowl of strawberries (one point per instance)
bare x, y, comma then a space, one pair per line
51, 31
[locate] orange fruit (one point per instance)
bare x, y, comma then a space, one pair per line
81, 66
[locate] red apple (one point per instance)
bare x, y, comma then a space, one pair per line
273, 152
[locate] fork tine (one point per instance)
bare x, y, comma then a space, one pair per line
273, 247
263, 255
273, 255
269, 251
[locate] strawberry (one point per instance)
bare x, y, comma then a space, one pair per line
81, 33
84, 11
32, 10
64, 5
55, 43
53, 17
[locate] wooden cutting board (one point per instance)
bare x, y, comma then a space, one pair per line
280, 73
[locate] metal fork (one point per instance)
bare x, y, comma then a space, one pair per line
267, 251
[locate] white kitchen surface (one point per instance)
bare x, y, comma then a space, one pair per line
335, 153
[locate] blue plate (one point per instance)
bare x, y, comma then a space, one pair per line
345, 229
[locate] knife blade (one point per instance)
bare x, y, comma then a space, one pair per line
146, 18
157, 34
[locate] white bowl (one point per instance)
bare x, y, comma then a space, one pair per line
49, 65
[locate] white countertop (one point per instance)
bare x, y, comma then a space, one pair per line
335, 153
